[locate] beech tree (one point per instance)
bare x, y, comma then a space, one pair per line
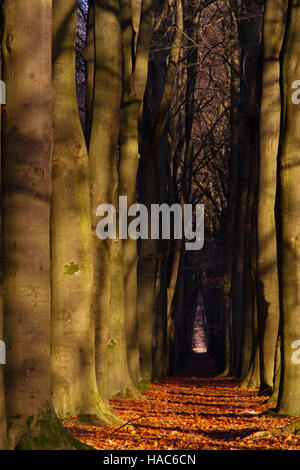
161, 102
74, 386
267, 269
26, 214
112, 357
3, 437
26, 190
153, 188
289, 398
134, 83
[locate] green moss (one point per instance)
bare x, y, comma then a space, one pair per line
112, 343
131, 392
142, 385
47, 433
29, 421
128, 393
292, 428
71, 268
91, 420
273, 412
10, 422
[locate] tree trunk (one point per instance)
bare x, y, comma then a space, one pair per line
267, 272
157, 101
112, 371
249, 33
134, 82
26, 225
229, 257
289, 228
3, 430
74, 387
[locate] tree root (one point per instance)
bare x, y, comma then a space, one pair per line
293, 428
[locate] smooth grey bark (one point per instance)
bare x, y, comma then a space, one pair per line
267, 270
26, 210
74, 387
289, 218
26, 178
109, 307
3, 430
135, 71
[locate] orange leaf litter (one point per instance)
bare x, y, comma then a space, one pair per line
190, 413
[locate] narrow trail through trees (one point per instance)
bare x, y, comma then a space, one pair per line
196, 411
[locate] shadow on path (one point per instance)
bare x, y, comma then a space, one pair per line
197, 410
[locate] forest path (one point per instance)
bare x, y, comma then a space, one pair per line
198, 411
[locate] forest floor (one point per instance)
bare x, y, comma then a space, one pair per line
196, 411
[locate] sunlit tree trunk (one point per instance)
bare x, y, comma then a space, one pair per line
26, 210
289, 223
119, 379
109, 309
135, 70
74, 387
26, 225
3, 431
277, 372
267, 272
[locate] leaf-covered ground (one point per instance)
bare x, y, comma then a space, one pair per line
191, 412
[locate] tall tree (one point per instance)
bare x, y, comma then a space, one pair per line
74, 386
249, 35
234, 58
26, 179
289, 221
109, 307
135, 71
3, 430
156, 107
267, 272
